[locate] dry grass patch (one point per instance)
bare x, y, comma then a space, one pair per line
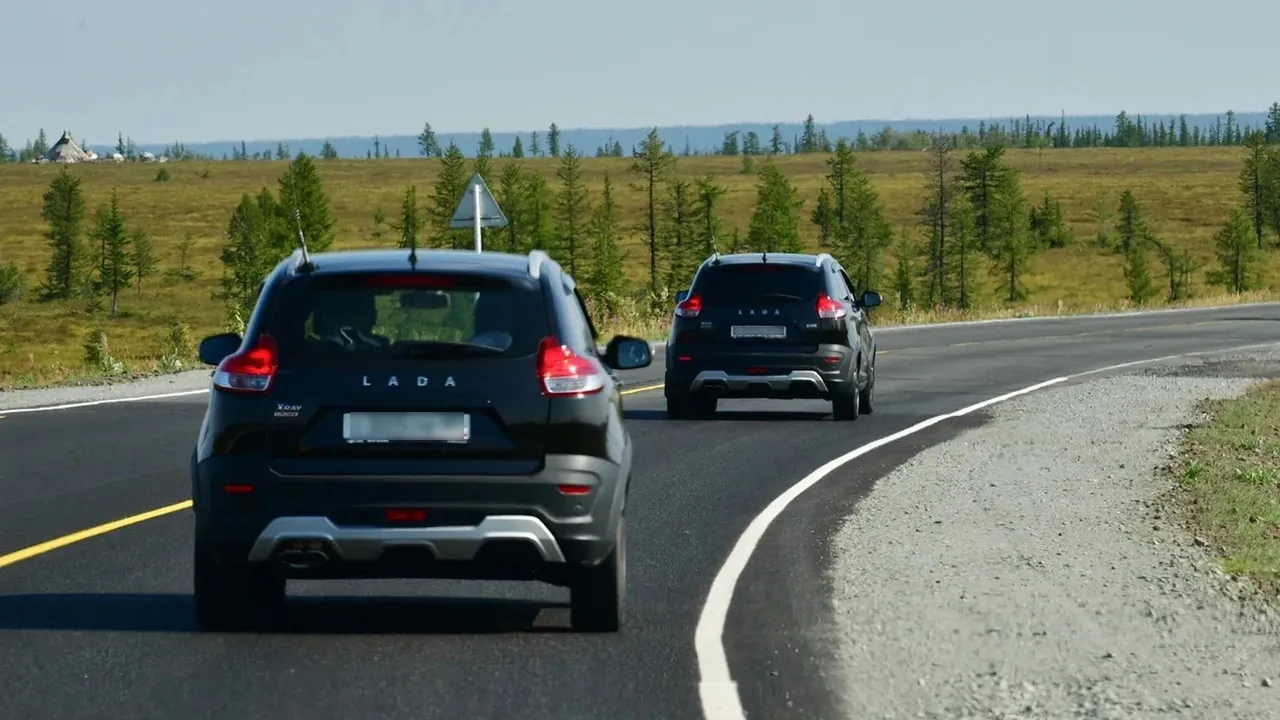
1186, 195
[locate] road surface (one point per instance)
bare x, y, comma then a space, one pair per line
102, 628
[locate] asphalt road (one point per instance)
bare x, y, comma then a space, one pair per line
102, 628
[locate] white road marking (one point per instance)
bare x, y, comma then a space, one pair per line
108, 401
716, 688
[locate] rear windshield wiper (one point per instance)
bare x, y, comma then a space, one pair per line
429, 348
780, 296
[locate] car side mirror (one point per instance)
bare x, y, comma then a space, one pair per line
682, 295
628, 353
215, 348
870, 299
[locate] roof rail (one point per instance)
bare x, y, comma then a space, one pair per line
821, 257
536, 258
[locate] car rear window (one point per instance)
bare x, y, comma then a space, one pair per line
747, 284
370, 319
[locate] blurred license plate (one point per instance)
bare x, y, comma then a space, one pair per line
758, 331
387, 427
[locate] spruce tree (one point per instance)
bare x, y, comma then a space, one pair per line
510, 197
1239, 260
450, 186
142, 256
775, 221
411, 222
652, 162
571, 206
1011, 241
303, 202
428, 146
606, 282
114, 272
64, 210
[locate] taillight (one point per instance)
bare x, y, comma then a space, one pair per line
405, 515
690, 307
564, 372
829, 309
249, 371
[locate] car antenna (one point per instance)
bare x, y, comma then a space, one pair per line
302, 240
764, 256
413, 251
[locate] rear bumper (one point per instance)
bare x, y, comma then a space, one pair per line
820, 373
481, 527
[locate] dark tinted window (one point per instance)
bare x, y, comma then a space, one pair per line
368, 319
746, 284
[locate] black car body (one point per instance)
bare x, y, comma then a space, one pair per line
760, 325
445, 416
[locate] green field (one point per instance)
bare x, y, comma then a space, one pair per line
1229, 486
1186, 195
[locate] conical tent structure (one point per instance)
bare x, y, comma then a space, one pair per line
67, 151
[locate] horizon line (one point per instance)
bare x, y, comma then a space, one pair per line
708, 126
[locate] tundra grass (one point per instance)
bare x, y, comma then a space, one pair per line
1230, 482
1186, 194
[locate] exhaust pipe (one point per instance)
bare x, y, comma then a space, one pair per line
303, 559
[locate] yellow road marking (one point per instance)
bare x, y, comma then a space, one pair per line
50, 545
75, 537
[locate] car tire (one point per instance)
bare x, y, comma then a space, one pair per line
678, 407
845, 407
598, 595
231, 598
867, 396
687, 406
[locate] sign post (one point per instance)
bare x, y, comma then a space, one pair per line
478, 209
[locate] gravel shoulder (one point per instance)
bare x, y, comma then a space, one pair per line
1024, 569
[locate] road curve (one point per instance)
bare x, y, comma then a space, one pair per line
102, 627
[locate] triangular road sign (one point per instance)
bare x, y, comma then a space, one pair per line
490, 214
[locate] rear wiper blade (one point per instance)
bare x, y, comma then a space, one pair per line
782, 296
423, 348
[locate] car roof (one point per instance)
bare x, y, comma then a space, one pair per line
756, 258
379, 260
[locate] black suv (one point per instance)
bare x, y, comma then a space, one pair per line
778, 326
413, 415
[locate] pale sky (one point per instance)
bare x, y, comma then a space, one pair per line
195, 70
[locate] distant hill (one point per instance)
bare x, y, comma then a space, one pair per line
702, 139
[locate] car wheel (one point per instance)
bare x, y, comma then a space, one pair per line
845, 407
679, 407
231, 598
597, 598
687, 406
705, 406
866, 398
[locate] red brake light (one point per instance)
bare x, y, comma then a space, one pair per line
564, 372
690, 307
829, 309
410, 280
248, 371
